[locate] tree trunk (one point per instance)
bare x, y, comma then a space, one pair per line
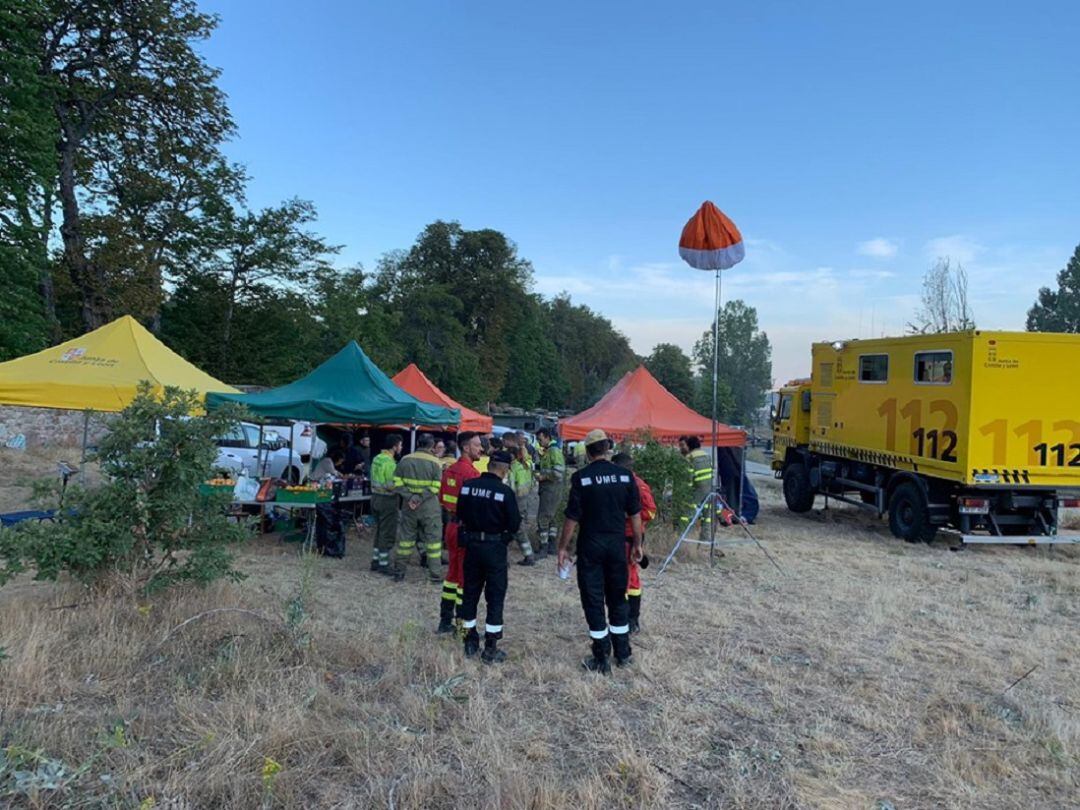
87, 278
45, 278
226, 334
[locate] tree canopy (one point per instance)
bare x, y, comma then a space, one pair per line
116, 198
1059, 310
673, 370
744, 365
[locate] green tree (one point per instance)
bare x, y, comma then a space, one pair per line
592, 354
27, 173
148, 520
1059, 310
534, 378
348, 309
433, 335
276, 335
745, 362
253, 252
136, 111
481, 269
672, 369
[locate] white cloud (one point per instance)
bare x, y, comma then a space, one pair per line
871, 275
957, 247
878, 248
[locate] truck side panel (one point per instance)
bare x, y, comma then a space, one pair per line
1025, 413
900, 403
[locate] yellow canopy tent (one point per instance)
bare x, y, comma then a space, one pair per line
100, 371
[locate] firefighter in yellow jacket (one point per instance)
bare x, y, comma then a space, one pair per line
701, 476
417, 481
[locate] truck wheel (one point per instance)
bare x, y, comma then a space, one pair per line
292, 475
798, 493
909, 514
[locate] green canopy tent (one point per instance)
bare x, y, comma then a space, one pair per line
346, 389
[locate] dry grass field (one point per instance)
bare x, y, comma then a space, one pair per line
874, 674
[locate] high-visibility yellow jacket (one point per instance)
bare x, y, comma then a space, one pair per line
420, 474
701, 468
552, 465
383, 467
521, 478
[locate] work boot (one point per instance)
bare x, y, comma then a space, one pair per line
375, 565
398, 574
635, 625
472, 643
598, 662
541, 552
446, 617
529, 560
623, 654
552, 547
492, 654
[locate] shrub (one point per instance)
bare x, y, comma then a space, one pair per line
148, 520
667, 473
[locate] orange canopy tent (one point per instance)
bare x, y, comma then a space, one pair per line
415, 382
639, 403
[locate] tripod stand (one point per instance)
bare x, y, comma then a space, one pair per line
713, 500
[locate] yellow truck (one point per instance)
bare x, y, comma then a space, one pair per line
976, 432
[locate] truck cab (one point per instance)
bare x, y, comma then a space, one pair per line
790, 420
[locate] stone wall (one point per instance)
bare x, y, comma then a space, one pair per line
49, 427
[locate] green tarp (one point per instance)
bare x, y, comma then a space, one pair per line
347, 388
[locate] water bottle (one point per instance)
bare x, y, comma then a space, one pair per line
564, 569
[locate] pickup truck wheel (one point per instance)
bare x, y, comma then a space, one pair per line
909, 514
292, 475
798, 493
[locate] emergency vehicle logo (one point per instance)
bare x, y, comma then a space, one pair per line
71, 355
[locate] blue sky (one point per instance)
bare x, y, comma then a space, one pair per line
852, 142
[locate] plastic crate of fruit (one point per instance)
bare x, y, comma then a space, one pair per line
303, 495
216, 485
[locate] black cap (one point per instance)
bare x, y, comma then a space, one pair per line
501, 457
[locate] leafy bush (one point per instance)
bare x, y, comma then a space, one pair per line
148, 521
667, 473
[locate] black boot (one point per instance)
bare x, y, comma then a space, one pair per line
623, 654
552, 547
472, 643
446, 617
529, 560
635, 613
599, 660
374, 565
492, 654
398, 574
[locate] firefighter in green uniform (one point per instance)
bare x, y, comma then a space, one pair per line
550, 471
519, 480
701, 472
417, 481
384, 503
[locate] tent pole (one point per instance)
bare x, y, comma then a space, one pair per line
85, 442
715, 383
292, 430
260, 466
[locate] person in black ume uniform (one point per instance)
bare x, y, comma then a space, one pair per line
488, 511
602, 496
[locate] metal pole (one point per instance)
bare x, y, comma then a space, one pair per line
715, 394
85, 442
